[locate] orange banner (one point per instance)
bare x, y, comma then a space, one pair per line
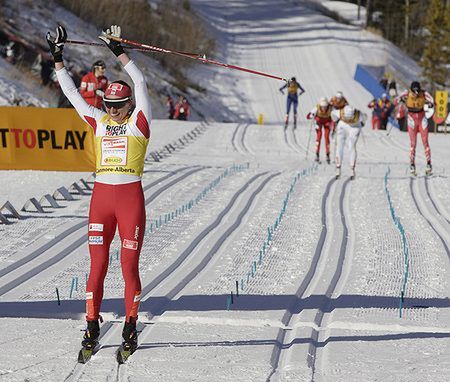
34, 138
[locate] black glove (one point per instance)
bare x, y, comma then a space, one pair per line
114, 45
56, 44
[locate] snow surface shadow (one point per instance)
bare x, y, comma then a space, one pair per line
204, 303
317, 344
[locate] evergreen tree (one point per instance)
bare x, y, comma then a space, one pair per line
435, 59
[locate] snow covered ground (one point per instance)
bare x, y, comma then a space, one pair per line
319, 302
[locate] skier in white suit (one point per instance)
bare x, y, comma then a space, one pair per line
349, 123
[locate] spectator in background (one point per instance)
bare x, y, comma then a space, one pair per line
36, 66
47, 69
182, 109
392, 89
384, 83
170, 107
11, 52
400, 112
382, 109
94, 84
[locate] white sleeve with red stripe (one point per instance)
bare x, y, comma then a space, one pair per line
142, 114
402, 96
429, 98
312, 113
87, 112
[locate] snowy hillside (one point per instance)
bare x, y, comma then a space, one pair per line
316, 266
30, 21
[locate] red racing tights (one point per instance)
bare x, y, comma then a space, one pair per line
418, 123
120, 205
376, 122
326, 132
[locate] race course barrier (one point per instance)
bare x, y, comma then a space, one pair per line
34, 138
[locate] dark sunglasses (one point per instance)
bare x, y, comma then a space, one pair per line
116, 105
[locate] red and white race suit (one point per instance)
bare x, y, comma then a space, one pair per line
417, 122
117, 199
322, 122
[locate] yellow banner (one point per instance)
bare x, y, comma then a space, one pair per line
441, 99
45, 139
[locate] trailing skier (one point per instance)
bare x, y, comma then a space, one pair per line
418, 102
349, 123
322, 122
121, 136
293, 89
338, 101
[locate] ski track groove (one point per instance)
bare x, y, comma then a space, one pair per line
233, 138
424, 209
243, 138
238, 139
312, 351
194, 243
287, 317
435, 203
54, 259
288, 141
27, 258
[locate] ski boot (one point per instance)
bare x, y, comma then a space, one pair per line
328, 158
90, 337
90, 341
353, 174
412, 169
429, 169
338, 172
286, 121
317, 158
129, 344
295, 121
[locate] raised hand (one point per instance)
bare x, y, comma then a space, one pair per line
56, 44
114, 45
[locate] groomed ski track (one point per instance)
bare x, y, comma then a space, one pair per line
321, 305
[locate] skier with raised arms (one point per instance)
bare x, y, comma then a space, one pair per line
418, 102
294, 89
121, 137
